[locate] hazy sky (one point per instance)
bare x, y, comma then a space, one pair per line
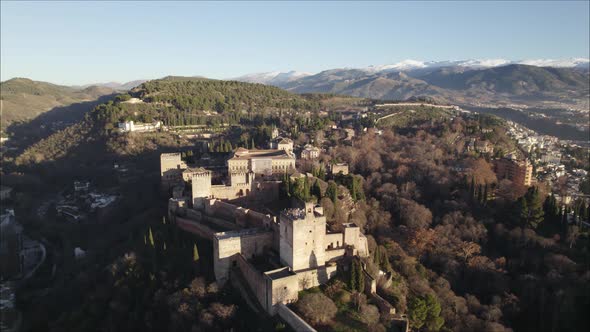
86, 42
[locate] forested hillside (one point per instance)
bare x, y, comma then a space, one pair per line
179, 101
23, 99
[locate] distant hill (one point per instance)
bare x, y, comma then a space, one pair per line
116, 85
24, 99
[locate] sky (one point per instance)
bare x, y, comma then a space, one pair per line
89, 42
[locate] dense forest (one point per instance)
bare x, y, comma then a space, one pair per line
478, 261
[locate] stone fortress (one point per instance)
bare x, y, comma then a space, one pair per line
270, 255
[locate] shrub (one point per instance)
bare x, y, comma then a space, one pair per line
317, 308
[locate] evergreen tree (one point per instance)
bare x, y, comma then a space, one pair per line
352, 283
361, 278
306, 190
480, 194
322, 173
332, 191
316, 190
535, 207
523, 210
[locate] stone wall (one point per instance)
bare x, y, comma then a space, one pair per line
256, 280
227, 244
314, 277
194, 227
334, 240
293, 320
334, 253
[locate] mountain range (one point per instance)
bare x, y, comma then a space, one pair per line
540, 83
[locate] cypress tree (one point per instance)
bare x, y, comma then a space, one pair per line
353, 276
472, 188
479, 193
151, 237
361, 277
523, 210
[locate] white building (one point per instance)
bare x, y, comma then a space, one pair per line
130, 126
310, 152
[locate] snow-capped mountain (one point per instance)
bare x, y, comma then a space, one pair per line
281, 78
274, 77
410, 64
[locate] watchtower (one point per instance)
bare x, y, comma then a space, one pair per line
201, 188
302, 237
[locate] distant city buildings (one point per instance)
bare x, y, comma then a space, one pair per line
281, 143
310, 152
339, 168
519, 172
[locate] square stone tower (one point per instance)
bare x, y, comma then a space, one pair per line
302, 237
201, 187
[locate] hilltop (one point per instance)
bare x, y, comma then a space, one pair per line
23, 99
176, 101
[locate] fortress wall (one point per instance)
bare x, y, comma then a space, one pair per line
227, 192
315, 277
222, 223
351, 235
336, 240
258, 219
255, 279
215, 207
334, 253
283, 290
226, 248
363, 246
195, 227
295, 322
